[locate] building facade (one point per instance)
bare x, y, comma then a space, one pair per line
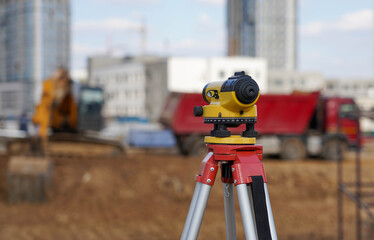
124, 87
34, 41
363, 88
140, 87
181, 77
101, 61
266, 29
285, 82
152, 79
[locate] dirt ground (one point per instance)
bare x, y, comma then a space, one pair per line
147, 196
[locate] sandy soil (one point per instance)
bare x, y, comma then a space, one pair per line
145, 196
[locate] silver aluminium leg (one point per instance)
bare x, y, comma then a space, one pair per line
228, 197
250, 196
198, 212
190, 211
270, 214
246, 212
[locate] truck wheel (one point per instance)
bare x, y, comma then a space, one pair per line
331, 147
192, 145
199, 148
181, 145
293, 149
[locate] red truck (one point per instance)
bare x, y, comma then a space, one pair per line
291, 126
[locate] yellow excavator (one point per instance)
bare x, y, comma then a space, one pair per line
57, 108
67, 121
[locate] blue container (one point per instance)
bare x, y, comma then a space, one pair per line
151, 138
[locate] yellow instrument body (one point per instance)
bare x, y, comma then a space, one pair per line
226, 104
231, 103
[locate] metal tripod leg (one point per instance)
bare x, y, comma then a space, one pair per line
191, 210
198, 212
246, 212
270, 214
249, 189
228, 197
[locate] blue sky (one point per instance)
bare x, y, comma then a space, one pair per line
335, 37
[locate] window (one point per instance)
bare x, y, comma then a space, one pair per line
9, 100
302, 82
221, 74
330, 86
344, 108
348, 110
278, 82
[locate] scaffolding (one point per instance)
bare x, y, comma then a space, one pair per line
364, 200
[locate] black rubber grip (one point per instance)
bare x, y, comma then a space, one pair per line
260, 208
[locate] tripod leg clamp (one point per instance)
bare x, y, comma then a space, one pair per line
208, 170
247, 164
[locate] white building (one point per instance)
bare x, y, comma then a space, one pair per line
100, 61
187, 74
350, 88
285, 82
124, 86
140, 86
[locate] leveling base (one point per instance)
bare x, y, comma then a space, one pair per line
241, 167
233, 139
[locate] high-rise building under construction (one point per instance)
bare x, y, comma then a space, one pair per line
263, 28
34, 41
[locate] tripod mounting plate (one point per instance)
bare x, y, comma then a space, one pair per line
233, 139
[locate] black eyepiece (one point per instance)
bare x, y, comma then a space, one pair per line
246, 90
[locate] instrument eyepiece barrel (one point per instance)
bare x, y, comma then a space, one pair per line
246, 90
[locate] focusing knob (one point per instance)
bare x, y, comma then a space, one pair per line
198, 111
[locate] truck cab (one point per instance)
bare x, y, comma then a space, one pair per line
90, 105
341, 124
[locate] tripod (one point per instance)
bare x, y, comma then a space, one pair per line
240, 166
